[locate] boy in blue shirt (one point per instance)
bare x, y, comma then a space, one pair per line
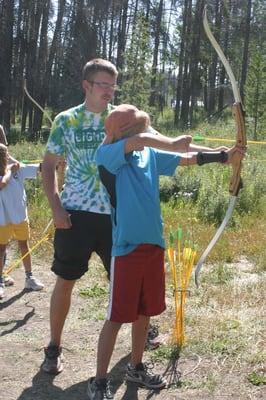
130, 163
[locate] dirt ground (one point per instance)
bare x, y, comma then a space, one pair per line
24, 330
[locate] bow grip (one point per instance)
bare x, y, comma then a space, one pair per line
241, 140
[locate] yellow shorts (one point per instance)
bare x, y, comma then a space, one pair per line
14, 231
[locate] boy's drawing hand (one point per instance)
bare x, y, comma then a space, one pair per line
181, 143
221, 148
14, 167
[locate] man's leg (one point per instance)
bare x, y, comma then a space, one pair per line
59, 308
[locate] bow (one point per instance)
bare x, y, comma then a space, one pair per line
235, 181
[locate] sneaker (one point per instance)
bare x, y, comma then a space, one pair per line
53, 360
152, 342
99, 390
8, 281
140, 374
2, 291
153, 332
33, 283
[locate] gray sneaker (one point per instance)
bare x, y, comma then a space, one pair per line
99, 390
53, 360
8, 281
2, 291
32, 283
140, 374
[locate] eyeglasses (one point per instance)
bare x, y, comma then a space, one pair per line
104, 85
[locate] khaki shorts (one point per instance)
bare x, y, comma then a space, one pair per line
14, 231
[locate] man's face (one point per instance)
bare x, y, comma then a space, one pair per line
99, 90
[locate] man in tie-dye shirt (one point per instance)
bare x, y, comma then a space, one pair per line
81, 213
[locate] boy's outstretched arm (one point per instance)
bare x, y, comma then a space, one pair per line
225, 157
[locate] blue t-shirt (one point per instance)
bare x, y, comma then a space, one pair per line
132, 181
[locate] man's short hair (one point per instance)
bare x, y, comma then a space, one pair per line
98, 65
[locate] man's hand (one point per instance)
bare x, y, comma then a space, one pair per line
61, 218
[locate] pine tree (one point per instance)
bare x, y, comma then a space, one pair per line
255, 93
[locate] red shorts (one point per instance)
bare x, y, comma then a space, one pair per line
137, 285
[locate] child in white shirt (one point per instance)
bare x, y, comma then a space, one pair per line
13, 215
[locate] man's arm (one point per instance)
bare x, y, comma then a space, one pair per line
60, 216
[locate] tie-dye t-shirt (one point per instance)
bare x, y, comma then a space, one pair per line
76, 134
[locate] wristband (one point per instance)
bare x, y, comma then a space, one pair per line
206, 158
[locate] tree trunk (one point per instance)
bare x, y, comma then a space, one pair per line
245, 52
156, 52
6, 59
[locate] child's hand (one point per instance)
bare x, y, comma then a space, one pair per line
221, 148
181, 143
14, 167
236, 154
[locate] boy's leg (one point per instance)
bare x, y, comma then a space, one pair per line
137, 371
139, 335
98, 387
106, 345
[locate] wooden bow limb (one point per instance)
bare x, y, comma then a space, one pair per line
241, 140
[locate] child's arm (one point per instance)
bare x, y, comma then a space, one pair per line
182, 144
137, 142
11, 159
5, 178
11, 168
228, 156
161, 142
